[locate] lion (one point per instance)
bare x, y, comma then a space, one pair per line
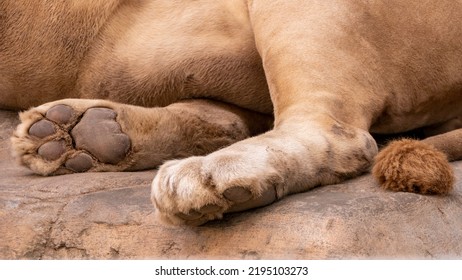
238, 103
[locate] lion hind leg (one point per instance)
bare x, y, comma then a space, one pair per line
419, 166
450, 143
81, 135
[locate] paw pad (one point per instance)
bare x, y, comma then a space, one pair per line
42, 129
60, 114
65, 140
237, 194
100, 134
52, 150
80, 163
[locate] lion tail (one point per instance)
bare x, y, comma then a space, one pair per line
419, 166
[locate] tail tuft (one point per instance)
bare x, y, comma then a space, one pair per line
413, 166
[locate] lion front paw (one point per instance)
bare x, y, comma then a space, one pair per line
199, 189
413, 166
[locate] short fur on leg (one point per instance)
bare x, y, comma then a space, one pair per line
413, 166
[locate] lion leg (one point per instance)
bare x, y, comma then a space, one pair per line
419, 166
79, 135
315, 141
293, 157
450, 143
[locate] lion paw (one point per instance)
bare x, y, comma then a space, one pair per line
413, 166
59, 139
199, 189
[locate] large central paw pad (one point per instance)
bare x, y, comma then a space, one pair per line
63, 140
100, 134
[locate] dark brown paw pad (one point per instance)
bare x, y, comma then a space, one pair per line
42, 129
99, 133
80, 163
237, 194
60, 114
80, 141
413, 166
52, 150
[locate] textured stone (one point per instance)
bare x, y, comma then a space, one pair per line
109, 216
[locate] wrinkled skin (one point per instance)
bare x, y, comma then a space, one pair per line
261, 99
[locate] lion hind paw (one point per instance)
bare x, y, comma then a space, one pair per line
61, 139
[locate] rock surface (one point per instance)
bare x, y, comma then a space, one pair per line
109, 216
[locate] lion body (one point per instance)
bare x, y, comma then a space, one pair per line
337, 70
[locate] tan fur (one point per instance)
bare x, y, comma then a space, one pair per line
331, 72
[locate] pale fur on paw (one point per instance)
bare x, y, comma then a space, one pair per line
199, 189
